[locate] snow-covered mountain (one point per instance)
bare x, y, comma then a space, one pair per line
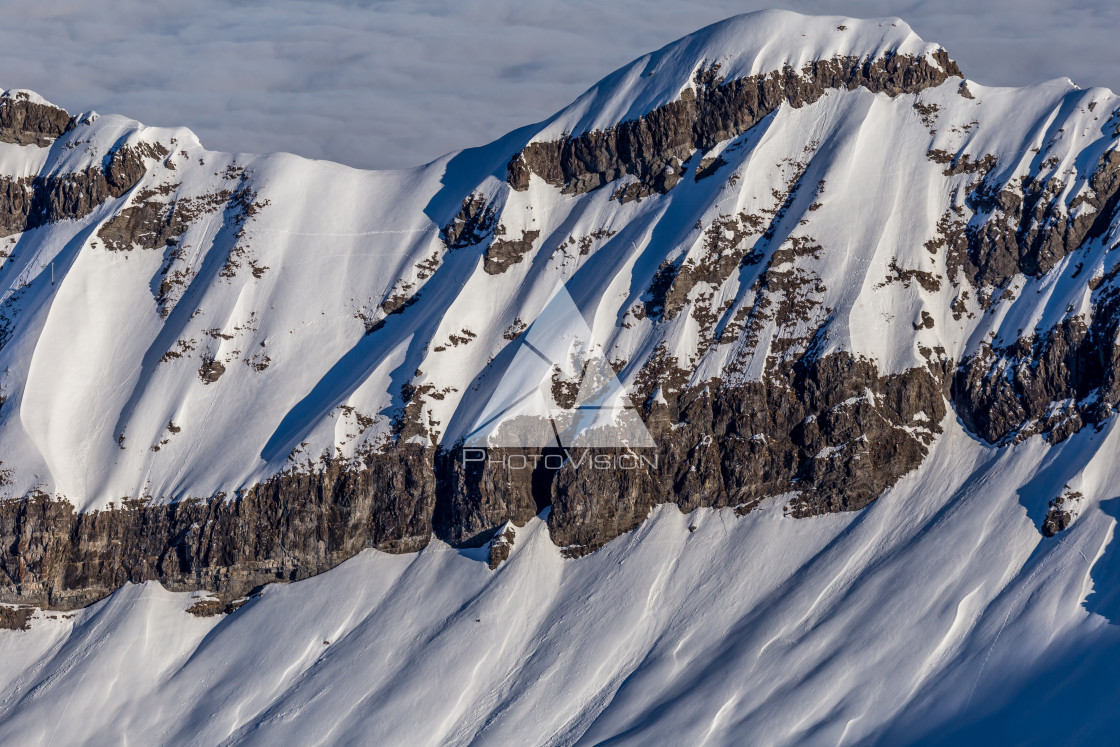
855, 315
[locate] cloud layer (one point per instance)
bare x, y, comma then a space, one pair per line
394, 83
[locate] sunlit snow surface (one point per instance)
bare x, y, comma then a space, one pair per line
938, 608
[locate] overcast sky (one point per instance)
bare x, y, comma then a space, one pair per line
394, 83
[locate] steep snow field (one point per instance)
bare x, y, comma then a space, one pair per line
939, 613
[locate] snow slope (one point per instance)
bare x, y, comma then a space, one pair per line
937, 614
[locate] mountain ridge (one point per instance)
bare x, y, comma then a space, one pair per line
348, 326
867, 312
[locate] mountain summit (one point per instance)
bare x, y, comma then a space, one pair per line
752, 46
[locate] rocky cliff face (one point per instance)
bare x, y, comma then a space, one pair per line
27, 203
1027, 227
654, 147
798, 277
1054, 383
27, 122
831, 433
289, 527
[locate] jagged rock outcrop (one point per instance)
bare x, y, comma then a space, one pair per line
1054, 383
1061, 512
475, 221
503, 253
16, 199
500, 548
27, 122
830, 434
27, 203
16, 618
715, 111
147, 223
1027, 228
210, 371
289, 527
480, 490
